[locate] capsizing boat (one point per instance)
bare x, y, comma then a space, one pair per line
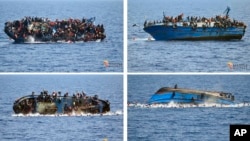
44, 103
44, 30
196, 28
183, 95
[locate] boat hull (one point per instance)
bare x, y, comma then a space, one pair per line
186, 98
166, 32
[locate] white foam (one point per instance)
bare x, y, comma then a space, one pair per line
31, 39
98, 40
178, 105
115, 113
143, 39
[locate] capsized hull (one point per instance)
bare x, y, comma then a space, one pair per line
163, 32
177, 95
60, 105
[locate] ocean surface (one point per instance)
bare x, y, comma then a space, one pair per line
185, 56
64, 57
207, 122
90, 127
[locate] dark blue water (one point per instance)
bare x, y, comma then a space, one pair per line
78, 57
207, 123
85, 127
185, 56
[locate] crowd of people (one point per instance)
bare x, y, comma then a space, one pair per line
219, 21
79, 100
43, 29
44, 96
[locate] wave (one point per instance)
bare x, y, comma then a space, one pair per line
179, 105
115, 113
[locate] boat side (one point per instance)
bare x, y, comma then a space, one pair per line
171, 32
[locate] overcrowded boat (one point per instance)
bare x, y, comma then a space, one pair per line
55, 103
183, 95
43, 30
196, 28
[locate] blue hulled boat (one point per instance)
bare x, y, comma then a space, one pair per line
57, 104
196, 28
182, 95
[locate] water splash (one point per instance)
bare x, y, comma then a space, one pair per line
31, 39
115, 113
143, 39
179, 105
98, 40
